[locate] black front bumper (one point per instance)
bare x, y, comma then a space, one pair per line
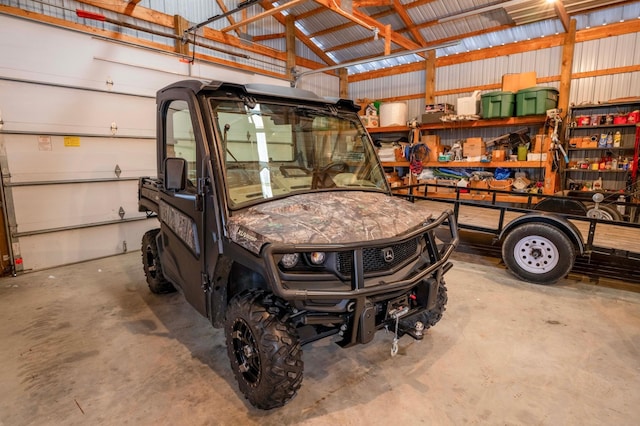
362, 302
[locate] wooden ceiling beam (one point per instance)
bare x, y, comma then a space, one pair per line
395, 37
139, 12
368, 22
267, 4
371, 3
265, 37
562, 14
224, 9
131, 5
408, 22
263, 15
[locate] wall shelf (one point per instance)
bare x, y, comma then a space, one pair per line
467, 124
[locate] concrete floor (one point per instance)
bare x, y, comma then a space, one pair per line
89, 345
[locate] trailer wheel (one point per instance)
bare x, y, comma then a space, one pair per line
538, 253
603, 212
156, 280
264, 350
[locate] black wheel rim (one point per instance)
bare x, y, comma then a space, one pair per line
246, 351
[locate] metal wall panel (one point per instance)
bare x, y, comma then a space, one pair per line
72, 205
49, 90
43, 158
46, 109
603, 54
59, 248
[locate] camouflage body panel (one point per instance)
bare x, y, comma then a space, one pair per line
324, 217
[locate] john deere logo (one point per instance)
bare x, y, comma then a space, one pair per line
387, 254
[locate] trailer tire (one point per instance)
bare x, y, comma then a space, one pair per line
156, 280
604, 212
538, 252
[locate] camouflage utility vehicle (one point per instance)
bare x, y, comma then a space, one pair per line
278, 225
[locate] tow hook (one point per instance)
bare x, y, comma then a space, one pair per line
396, 314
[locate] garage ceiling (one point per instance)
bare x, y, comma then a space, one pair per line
333, 32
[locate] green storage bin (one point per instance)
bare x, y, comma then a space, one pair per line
536, 100
497, 104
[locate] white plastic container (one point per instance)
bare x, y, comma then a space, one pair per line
469, 105
393, 114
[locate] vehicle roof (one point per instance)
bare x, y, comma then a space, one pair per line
261, 90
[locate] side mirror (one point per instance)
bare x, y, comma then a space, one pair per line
175, 174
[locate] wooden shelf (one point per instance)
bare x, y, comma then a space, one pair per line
595, 171
472, 164
390, 129
602, 149
496, 122
603, 126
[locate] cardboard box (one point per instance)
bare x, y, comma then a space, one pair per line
433, 143
498, 155
501, 185
478, 186
427, 186
575, 142
371, 120
449, 188
537, 156
542, 143
432, 117
445, 108
515, 82
473, 147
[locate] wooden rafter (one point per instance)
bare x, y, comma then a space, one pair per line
371, 3
167, 21
267, 5
265, 37
224, 9
408, 22
378, 15
562, 14
263, 15
131, 5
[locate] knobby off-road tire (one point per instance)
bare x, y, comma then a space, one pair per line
432, 316
158, 284
264, 350
538, 253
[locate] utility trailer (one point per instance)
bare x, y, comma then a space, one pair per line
542, 237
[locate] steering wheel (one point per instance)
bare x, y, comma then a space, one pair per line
284, 169
322, 176
334, 167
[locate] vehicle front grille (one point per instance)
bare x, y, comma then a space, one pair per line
374, 257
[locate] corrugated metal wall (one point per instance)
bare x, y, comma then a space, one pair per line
70, 183
601, 54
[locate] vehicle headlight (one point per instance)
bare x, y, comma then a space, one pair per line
290, 260
317, 257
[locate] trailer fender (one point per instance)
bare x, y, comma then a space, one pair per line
560, 222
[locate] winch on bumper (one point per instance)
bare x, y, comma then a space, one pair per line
356, 295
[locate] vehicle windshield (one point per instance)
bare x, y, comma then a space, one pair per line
275, 150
